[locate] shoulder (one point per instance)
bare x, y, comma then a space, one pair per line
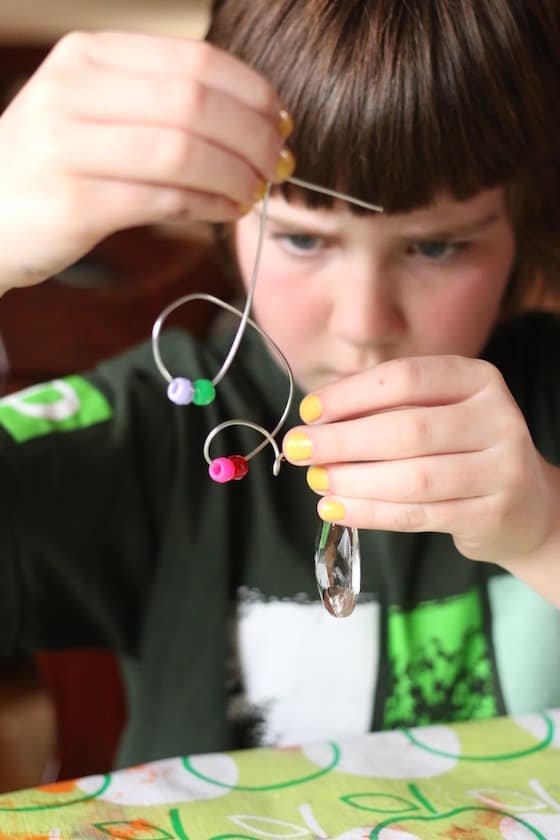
527, 344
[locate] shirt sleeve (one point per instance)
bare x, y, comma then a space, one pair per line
87, 467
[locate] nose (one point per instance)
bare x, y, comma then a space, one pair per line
366, 308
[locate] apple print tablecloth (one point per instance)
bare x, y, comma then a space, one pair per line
469, 781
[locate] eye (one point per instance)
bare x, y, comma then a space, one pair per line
300, 244
436, 249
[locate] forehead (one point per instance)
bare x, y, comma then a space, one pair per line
445, 213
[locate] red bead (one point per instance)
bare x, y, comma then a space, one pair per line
240, 465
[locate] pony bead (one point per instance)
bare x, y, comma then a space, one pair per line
204, 391
225, 469
180, 391
241, 466
221, 470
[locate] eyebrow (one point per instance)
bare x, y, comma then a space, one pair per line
454, 231
296, 226
450, 232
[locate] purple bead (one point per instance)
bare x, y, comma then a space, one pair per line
222, 470
180, 391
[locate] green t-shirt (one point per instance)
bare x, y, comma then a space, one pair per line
112, 534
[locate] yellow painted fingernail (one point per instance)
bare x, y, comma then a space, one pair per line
331, 511
297, 447
285, 166
318, 479
285, 123
310, 408
260, 191
245, 208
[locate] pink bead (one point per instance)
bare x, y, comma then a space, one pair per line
221, 470
241, 466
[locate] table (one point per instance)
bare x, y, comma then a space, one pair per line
482, 779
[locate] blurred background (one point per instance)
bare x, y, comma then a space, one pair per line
27, 21
61, 713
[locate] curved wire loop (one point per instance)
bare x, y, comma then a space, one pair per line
269, 438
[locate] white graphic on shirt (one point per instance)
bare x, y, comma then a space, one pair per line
65, 407
304, 674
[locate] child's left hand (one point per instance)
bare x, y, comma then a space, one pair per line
429, 444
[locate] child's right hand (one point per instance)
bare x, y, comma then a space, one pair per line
116, 130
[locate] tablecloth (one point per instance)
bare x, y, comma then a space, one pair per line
466, 781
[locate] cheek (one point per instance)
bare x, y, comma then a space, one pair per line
464, 311
287, 305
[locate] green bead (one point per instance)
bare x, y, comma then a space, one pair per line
204, 391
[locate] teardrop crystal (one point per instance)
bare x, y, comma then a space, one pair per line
337, 568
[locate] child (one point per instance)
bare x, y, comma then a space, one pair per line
432, 407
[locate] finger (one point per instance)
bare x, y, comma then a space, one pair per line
391, 435
177, 102
416, 381
433, 479
157, 155
143, 53
447, 517
123, 204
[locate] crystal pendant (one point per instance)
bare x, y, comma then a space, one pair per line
337, 568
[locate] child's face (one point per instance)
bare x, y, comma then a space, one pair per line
339, 293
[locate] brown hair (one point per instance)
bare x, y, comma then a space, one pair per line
397, 100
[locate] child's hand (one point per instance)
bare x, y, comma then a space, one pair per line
429, 444
116, 130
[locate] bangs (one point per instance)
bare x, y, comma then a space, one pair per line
395, 102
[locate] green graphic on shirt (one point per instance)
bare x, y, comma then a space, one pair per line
439, 665
62, 405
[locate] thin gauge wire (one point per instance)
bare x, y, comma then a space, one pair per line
156, 330
298, 182
354, 561
244, 320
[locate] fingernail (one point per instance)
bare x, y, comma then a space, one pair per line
331, 511
297, 447
285, 166
310, 408
285, 123
318, 479
259, 191
245, 208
